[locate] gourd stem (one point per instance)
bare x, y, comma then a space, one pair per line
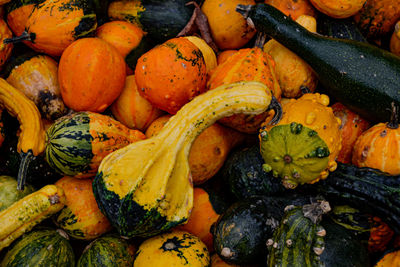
260, 40
23, 168
276, 106
25, 36
394, 118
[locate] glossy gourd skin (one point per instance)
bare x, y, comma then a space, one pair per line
153, 192
33, 250
175, 248
81, 217
77, 143
360, 76
109, 250
36, 75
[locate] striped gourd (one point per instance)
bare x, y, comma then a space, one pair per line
47, 248
109, 250
299, 239
77, 143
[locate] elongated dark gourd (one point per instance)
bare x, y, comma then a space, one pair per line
366, 189
361, 76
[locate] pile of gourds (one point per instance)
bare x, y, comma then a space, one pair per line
214, 132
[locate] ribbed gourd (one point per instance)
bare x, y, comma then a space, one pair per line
299, 239
145, 188
303, 146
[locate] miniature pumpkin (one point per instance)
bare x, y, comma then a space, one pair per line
379, 147
176, 248
132, 109
391, 259
352, 126
292, 72
81, 217
229, 29
305, 150
338, 8
171, 74
127, 38
293, 8
378, 17
54, 25
209, 150
82, 61
18, 12
395, 40
247, 64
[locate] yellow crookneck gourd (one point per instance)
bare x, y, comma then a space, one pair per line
145, 188
24, 214
31, 140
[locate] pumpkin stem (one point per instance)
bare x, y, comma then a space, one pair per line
23, 168
394, 118
244, 10
25, 36
260, 40
276, 106
314, 211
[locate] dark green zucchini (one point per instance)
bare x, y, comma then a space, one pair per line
243, 173
342, 247
241, 231
361, 76
339, 28
366, 189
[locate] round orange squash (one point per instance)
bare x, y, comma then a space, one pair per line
391, 259
338, 8
80, 218
91, 74
351, 127
228, 28
171, 74
18, 12
133, 110
293, 8
379, 147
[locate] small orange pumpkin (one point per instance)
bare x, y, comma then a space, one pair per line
338, 8
379, 147
80, 218
351, 127
133, 110
247, 64
229, 29
91, 74
208, 152
171, 74
18, 12
391, 259
293, 8
201, 218
395, 40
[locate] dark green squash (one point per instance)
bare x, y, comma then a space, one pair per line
359, 75
162, 20
9, 192
243, 173
47, 248
339, 28
299, 239
109, 250
242, 230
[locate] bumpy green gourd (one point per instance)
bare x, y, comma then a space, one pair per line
299, 239
293, 152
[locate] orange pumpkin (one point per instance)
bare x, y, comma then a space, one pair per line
80, 218
379, 147
171, 74
201, 218
395, 40
91, 74
293, 8
54, 25
378, 17
5, 49
338, 8
229, 29
391, 259
224, 55
247, 64
208, 152
133, 110
351, 127
18, 12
